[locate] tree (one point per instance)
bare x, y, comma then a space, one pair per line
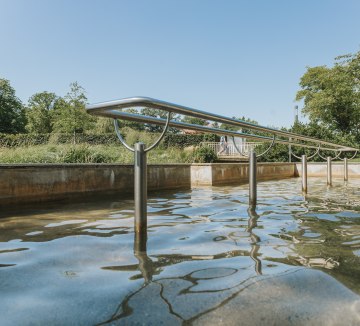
194, 120
280, 152
157, 113
332, 95
237, 128
131, 124
104, 125
70, 115
12, 116
39, 112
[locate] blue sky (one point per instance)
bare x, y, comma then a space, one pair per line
236, 58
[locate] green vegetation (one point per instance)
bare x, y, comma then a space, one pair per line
332, 95
12, 114
100, 148
84, 153
204, 155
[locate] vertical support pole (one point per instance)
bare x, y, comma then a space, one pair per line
289, 151
329, 182
140, 188
252, 180
304, 173
346, 172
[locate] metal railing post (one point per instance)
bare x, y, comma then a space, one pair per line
290, 151
252, 180
329, 182
140, 188
346, 172
304, 173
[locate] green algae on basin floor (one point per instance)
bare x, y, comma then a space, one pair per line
208, 260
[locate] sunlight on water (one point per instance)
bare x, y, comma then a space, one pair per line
207, 259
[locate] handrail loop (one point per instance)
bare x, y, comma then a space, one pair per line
332, 158
309, 157
116, 125
349, 159
162, 134
268, 149
263, 153
233, 140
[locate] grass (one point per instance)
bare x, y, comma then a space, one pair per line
66, 153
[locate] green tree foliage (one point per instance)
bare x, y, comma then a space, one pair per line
39, 112
204, 155
70, 115
235, 128
104, 125
280, 153
153, 113
194, 121
332, 95
12, 116
131, 124
157, 114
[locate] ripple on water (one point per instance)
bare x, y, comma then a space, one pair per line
207, 259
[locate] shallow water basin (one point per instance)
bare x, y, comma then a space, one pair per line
207, 259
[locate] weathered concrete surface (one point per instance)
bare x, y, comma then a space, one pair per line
235, 173
303, 297
42, 182
24, 183
320, 169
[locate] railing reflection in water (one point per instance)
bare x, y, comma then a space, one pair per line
216, 284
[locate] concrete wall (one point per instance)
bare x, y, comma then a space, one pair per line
235, 173
25, 183
43, 182
320, 169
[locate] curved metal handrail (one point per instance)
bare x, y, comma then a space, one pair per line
349, 159
332, 158
309, 157
205, 129
100, 108
116, 125
162, 134
268, 149
263, 153
233, 140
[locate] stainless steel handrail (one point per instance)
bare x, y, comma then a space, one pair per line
100, 108
182, 125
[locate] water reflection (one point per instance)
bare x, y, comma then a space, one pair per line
254, 253
225, 282
204, 255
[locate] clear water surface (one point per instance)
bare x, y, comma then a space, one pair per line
207, 260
